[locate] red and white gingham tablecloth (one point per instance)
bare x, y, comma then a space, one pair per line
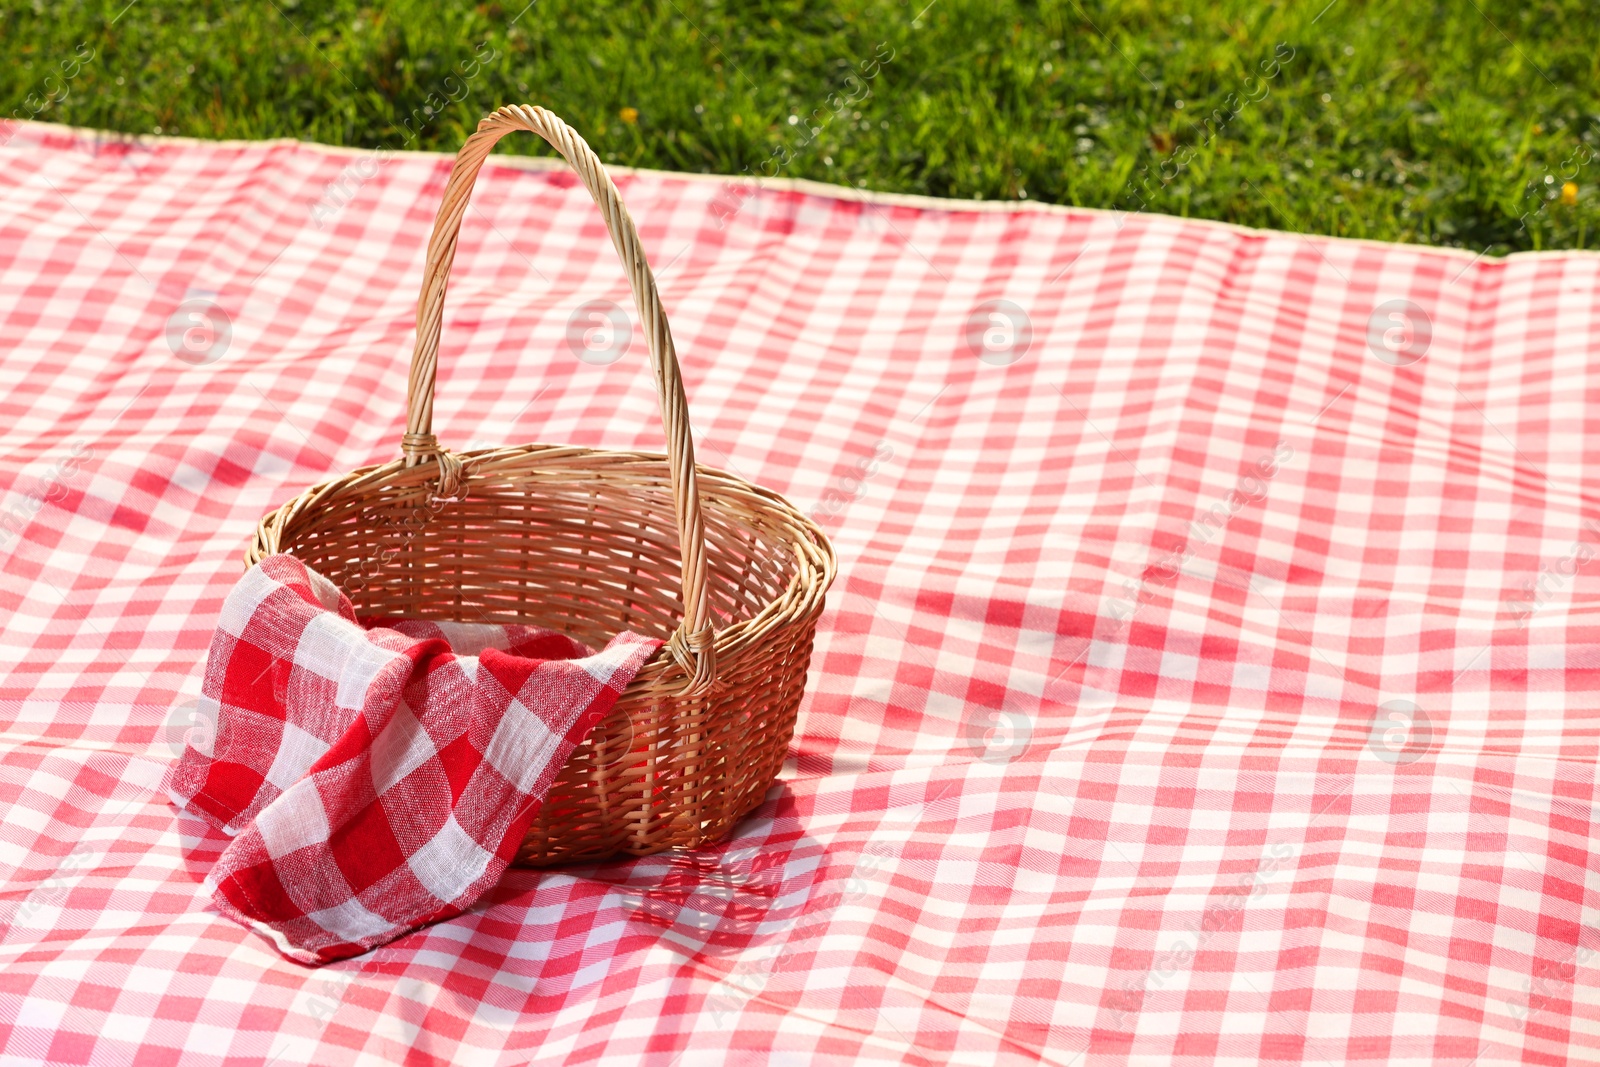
1213, 674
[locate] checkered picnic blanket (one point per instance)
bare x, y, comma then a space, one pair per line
1211, 676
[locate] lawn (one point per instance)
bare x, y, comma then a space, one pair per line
1474, 123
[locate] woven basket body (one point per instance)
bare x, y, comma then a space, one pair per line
592, 542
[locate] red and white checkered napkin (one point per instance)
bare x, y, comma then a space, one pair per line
377, 778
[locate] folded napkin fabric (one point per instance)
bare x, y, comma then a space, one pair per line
377, 775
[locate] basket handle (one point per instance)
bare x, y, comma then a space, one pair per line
692, 643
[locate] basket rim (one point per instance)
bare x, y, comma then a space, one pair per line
816, 563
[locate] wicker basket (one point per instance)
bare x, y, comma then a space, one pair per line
591, 542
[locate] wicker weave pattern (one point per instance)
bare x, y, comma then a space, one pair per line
587, 541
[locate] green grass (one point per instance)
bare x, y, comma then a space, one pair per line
1445, 123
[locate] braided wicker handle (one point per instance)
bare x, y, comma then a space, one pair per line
692, 644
